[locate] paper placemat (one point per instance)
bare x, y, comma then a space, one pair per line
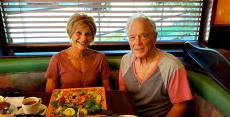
16, 101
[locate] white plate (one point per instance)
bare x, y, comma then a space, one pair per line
13, 109
20, 111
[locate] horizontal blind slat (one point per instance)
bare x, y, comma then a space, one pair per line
97, 6
99, 1
98, 11
65, 37
63, 32
65, 18
111, 22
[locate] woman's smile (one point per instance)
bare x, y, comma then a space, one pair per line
82, 43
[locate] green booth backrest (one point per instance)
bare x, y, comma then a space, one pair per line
33, 64
12, 65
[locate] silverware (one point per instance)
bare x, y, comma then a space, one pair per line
78, 112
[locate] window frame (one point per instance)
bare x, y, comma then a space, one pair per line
10, 49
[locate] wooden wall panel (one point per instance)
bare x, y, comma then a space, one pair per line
222, 15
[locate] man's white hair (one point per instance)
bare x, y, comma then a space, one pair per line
140, 15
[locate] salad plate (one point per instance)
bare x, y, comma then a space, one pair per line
67, 102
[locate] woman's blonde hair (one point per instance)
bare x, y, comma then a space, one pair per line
77, 19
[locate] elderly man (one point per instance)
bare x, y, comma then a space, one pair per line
156, 81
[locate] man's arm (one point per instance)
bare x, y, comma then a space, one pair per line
178, 110
121, 82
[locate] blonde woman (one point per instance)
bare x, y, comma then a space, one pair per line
78, 66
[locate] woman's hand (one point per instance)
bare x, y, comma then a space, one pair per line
106, 84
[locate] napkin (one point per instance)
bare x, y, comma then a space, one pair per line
16, 101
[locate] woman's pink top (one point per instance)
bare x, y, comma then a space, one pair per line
65, 75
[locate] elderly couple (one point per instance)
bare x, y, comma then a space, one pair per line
155, 80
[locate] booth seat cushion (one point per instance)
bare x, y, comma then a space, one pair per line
209, 90
23, 81
201, 107
114, 64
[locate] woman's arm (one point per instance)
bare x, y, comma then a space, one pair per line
52, 74
49, 85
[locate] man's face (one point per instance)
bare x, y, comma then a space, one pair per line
141, 38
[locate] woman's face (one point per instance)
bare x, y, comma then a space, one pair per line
82, 37
141, 38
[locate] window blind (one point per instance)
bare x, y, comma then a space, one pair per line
44, 21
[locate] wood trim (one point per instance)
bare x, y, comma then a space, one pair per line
12, 48
2, 37
214, 11
208, 4
198, 1
219, 36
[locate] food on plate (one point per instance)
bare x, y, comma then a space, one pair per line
4, 107
2, 99
65, 102
69, 111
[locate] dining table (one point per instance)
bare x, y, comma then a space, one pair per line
118, 102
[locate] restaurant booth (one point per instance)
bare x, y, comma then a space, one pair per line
207, 63
25, 76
